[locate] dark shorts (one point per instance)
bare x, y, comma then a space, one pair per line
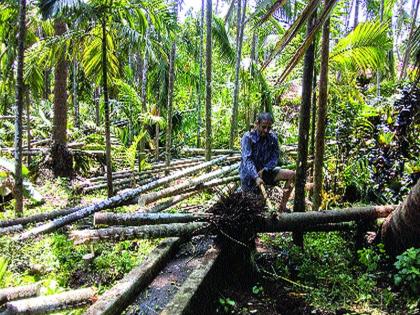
269, 176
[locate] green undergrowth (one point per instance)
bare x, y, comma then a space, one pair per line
54, 260
334, 276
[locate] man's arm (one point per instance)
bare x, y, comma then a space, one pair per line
246, 152
274, 153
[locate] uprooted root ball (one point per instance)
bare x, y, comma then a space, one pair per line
235, 216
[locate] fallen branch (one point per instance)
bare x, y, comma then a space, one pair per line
11, 229
147, 231
16, 293
110, 218
151, 197
113, 202
44, 304
116, 299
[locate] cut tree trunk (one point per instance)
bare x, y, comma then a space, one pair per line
17, 293
45, 304
153, 196
116, 299
401, 230
135, 219
113, 202
303, 221
173, 201
147, 231
11, 229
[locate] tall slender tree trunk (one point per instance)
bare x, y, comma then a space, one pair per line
170, 97
378, 72
46, 90
349, 8
75, 100
322, 115
106, 107
143, 89
19, 109
356, 13
304, 121
409, 41
313, 114
28, 123
208, 80
96, 99
239, 39
62, 161
200, 77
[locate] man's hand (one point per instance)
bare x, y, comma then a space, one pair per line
260, 173
259, 181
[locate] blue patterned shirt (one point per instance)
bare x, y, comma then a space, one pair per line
257, 153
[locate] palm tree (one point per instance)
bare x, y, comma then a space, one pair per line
304, 120
409, 41
199, 88
208, 79
19, 109
321, 115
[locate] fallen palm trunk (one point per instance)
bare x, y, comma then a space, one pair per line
190, 192
110, 218
11, 229
301, 220
113, 202
16, 293
49, 303
183, 300
120, 183
38, 217
401, 230
151, 197
132, 232
116, 299
199, 151
171, 202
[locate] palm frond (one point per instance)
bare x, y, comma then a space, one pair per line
364, 48
222, 40
267, 12
415, 53
308, 40
51, 8
292, 31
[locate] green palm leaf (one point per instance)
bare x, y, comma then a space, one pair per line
364, 48
222, 40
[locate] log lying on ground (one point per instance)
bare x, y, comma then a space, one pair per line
49, 303
298, 220
132, 232
192, 191
304, 221
38, 217
116, 299
151, 197
199, 151
11, 229
183, 300
113, 202
401, 230
122, 183
171, 202
110, 218
16, 293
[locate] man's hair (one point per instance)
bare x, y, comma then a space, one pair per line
265, 116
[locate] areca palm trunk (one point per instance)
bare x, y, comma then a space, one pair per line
410, 39
200, 78
170, 96
208, 79
304, 122
19, 110
356, 13
106, 107
62, 161
75, 100
321, 115
239, 39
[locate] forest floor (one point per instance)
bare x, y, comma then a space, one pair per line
330, 276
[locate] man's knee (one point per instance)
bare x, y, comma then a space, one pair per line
284, 174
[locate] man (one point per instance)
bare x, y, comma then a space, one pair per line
260, 154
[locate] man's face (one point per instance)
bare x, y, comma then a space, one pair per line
264, 127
